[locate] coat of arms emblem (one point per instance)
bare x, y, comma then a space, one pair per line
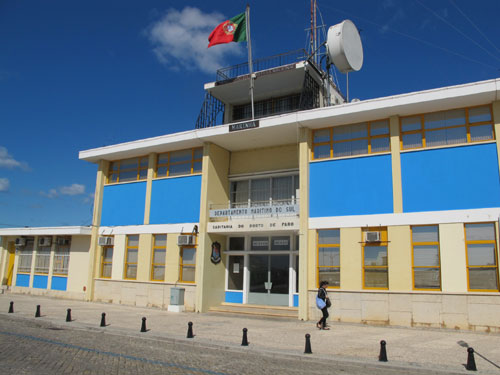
215, 258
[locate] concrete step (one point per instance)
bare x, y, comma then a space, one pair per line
258, 310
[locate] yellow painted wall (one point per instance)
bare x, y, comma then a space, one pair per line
350, 259
95, 251
172, 259
399, 258
397, 190
312, 260
4, 259
144, 257
307, 248
118, 257
453, 260
149, 186
79, 262
214, 190
496, 122
264, 159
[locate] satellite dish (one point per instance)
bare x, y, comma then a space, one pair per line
344, 46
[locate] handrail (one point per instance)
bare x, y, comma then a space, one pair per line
269, 62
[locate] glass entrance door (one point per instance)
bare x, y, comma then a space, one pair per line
269, 280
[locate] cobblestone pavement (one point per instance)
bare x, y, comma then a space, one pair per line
275, 344
38, 347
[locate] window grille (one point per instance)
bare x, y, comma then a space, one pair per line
42, 260
25, 257
61, 258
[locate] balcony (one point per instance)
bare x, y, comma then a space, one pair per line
241, 71
282, 83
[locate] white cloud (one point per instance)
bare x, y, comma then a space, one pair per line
180, 40
74, 189
4, 184
7, 161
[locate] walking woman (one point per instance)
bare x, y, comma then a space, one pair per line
323, 302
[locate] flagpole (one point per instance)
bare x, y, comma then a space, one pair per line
250, 66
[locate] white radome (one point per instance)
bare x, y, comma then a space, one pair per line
344, 46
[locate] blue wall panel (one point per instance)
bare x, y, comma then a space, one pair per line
123, 204
59, 283
234, 297
23, 279
358, 186
176, 200
295, 300
40, 281
450, 178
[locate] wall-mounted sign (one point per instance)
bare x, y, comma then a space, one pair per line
266, 211
244, 126
257, 225
215, 257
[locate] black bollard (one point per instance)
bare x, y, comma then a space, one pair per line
143, 326
308, 344
68, 315
383, 353
103, 320
190, 330
244, 342
37, 314
471, 363
11, 307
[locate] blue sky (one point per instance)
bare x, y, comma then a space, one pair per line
76, 75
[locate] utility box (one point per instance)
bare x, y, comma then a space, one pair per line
177, 296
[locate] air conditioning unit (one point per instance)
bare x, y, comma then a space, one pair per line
20, 241
105, 241
45, 241
372, 236
185, 239
63, 241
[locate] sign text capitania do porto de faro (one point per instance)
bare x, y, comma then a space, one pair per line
287, 223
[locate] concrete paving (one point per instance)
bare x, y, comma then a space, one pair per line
412, 350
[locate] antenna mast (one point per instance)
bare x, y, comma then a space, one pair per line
314, 39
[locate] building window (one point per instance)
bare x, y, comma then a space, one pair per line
176, 163
128, 170
264, 191
131, 257
42, 260
235, 272
106, 261
188, 264
158, 258
236, 243
349, 140
375, 266
426, 264
61, 256
465, 125
482, 270
267, 107
329, 257
25, 256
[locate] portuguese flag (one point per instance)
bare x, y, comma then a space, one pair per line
232, 30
